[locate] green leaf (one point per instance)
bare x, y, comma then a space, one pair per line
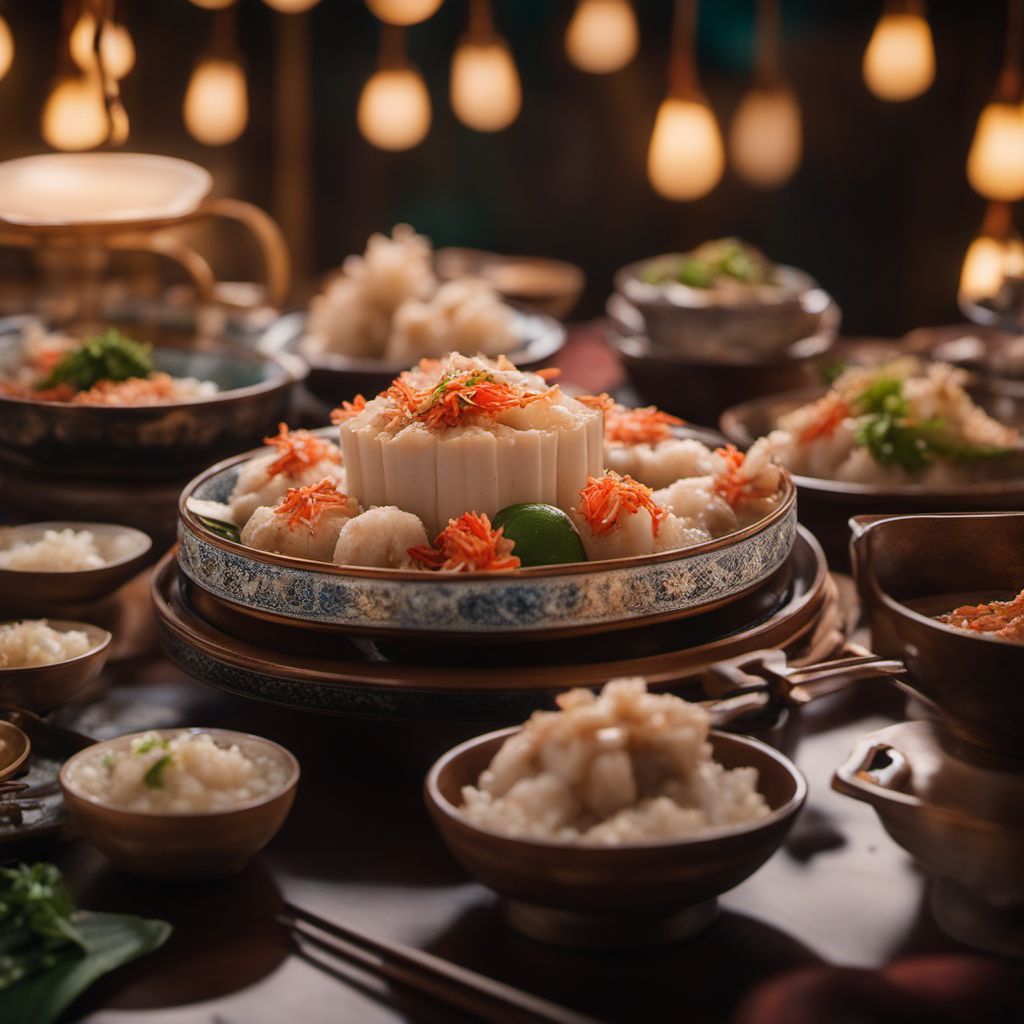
154, 776
110, 941
221, 528
109, 356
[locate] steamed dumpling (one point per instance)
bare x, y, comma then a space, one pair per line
282, 531
381, 538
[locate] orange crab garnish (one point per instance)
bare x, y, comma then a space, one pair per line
297, 450
606, 499
648, 425
459, 395
347, 410
603, 401
732, 484
159, 387
999, 618
549, 373
830, 412
468, 544
304, 505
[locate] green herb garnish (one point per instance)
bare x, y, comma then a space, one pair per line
221, 528
154, 777
144, 746
109, 356
107, 761
727, 257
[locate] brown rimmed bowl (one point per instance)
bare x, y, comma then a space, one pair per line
151, 442
827, 505
334, 378
28, 592
181, 847
543, 601
911, 568
455, 681
42, 688
614, 897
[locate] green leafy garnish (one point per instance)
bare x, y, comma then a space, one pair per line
50, 952
727, 257
148, 743
154, 777
221, 528
894, 439
108, 356
107, 761
35, 921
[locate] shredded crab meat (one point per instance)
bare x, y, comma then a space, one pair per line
606, 499
648, 425
549, 373
997, 618
160, 387
828, 415
468, 544
347, 410
745, 478
603, 401
304, 505
458, 396
297, 450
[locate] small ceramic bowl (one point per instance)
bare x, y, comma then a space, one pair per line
614, 897
15, 748
181, 847
42, 688
334, 377
39, 592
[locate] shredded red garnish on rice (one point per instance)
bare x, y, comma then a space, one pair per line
347, 410
648, 425
468, 544
997, 618
304, 505
603, 401
606, 499
829, 414
732, 483
297, 450
158, 387
459, 395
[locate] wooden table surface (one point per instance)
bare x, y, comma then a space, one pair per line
360, 849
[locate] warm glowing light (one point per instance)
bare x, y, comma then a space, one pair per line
602, 35
291, 6
989, 262
394, 109
117, 44
485, 90
74, 116
403, 12
995, 163
213, 5
6, 48
685, 159
899, 62
216, 107
765, 138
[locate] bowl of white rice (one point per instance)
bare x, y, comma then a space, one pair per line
615, 821
56, 565
46, 662
181, 804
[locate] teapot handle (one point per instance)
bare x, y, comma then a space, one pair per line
856, 778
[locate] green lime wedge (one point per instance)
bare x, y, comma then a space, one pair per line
543, 534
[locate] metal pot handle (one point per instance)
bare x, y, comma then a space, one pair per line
856, 778
796, 685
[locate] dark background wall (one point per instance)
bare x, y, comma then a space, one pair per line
880, 210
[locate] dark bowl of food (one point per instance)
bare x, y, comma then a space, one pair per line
112, 407
723, 301
940, 593
890, 440
648, 872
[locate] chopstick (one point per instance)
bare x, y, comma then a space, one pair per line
429, 975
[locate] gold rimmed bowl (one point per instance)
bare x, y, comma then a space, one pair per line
615, 896
41, 688
543, 601
43, 592
186, 846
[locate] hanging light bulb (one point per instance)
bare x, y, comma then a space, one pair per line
394, 109
117, 46
6, 47
765, 136
216, 107
685, 158
995, 255
291, 6
602, 35
403, 12
485, 90
74, 117
899, 62
995, 162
